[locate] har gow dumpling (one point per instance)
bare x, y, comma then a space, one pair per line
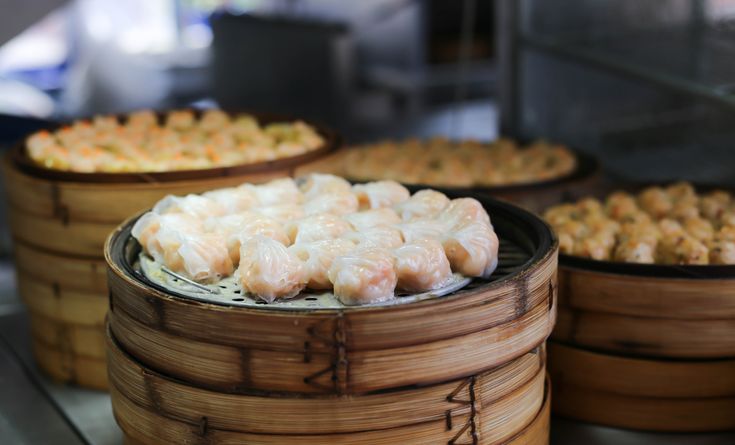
268, 270
318, 256
423, 204
472, 250
363, 276
316, 227
372, 218
421, 266
375, 195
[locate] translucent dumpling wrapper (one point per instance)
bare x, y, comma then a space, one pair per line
278, 192
268, 270
336, 203
160, 233
316, 227
472, 250
380, 236
282, 213
463, 211
372, 218
421, 229
233, 228
375, 195
423, 204
318, 256
317, 184
203, 257
421, 266
233, 199
364, 276
193, 205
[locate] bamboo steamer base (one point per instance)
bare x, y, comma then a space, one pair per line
152, 409
65, 367
140, 428
653, 395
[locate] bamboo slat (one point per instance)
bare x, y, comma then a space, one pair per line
72, 338
673, 396
653, 297
65, 367
83, 274
646, 336
264, 413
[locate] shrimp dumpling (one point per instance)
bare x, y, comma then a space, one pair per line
317, 184
421, 229
282, 213
421, 266
372, 218
268, 270
379, 236
363, 276
242, 225
194, 205
423, 204
233, 199
278, 191
463, 211
316, 227
336, 203
375, 195
202, 257
318, 256
472, 250
159, 233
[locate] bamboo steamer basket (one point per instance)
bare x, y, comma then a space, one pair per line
353, 350
534, 196
647, 310
493, 406
59, 222
654, 395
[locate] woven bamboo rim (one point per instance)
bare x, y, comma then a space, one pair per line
73, 273
355, 350
501, 392
673, 396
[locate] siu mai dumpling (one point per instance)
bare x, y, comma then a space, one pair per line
472, 250
375, 195
364, 276
233, 228
367, 219
318, 256
336, 203
316, 227
278, 192
194, 205
317, 184
423, 204
379, 236
421, 266
268, 270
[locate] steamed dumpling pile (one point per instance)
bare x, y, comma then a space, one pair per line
363, 242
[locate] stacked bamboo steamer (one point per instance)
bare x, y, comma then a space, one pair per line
467, 368
648, 347
59, 222
533, 196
